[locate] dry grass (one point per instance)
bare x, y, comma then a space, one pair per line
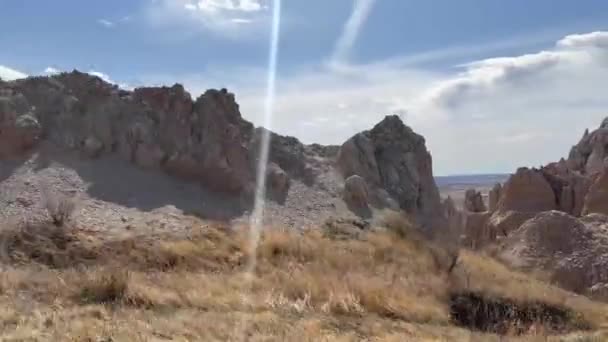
306, 287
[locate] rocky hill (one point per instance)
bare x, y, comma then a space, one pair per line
206, 140
552, 220
123, 217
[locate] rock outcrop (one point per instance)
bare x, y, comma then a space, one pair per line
393, 157
589, 155
19, 128
473, 201
494, 197
356, 195
573, 252
596, 200
527, 191
206, 140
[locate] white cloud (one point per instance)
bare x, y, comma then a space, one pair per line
105, 22
488, 115
223, 17
597, 39
105, 77
8, 74
51, 71
352, 27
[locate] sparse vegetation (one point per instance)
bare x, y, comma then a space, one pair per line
306, 287
59, 206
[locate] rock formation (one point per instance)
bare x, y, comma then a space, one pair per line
393, 157
19, 128
477, 232
206, 140
494, 197
588, 156
473, 201
356, 194
527, 191
573, 252
596, 200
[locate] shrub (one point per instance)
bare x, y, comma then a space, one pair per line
59, 206
108, 286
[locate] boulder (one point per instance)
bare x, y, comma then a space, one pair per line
527, 191
356, 194
277, 182
473, 201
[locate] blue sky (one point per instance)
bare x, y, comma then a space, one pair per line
492, 84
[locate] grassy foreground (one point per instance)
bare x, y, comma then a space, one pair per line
72, 285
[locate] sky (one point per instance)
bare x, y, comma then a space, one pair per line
491, 84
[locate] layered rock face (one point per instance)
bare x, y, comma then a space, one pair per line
393, 157
553, 219
206, 140
573, 252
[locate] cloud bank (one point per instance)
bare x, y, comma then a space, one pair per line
9, 74
489, 115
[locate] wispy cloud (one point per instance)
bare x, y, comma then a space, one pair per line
9, 74
228, 18
106, 23
350, 32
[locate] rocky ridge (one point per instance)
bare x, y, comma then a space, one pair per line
207, 141
552, 219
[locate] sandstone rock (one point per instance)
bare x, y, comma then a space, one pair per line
494, 197
277, 182
355, 191
527, 191
477, 233
473, 201
159, 127
589, 154
356, 157
286, 152
19, 127
569, 186
596, 200
501, 223
571, 251
393, 157
356, 195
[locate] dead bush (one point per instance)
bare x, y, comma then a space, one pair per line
398, 223
59, 206
105, 286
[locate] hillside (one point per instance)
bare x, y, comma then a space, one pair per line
125, 217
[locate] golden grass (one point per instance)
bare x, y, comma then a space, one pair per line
305, 287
